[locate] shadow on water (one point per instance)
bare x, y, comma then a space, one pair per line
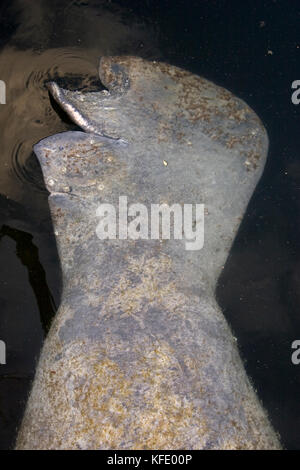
28, 300
23, 333
28, 254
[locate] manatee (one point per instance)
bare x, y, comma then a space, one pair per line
139, 355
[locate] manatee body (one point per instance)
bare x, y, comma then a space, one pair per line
139, 355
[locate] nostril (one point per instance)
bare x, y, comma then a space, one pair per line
114, 75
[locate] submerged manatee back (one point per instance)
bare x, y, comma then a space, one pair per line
139, 355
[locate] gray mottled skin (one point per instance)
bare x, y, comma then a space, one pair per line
139, 355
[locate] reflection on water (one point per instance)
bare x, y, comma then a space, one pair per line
41, 41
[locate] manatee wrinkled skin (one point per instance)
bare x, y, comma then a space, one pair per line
139, 355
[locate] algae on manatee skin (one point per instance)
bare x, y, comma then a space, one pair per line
139, 355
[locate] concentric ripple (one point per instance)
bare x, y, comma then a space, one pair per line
34, 113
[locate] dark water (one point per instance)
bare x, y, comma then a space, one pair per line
253, 49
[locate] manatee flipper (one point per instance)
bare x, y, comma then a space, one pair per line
139, 355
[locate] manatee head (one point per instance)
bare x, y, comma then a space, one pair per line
153, 100
172, 137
